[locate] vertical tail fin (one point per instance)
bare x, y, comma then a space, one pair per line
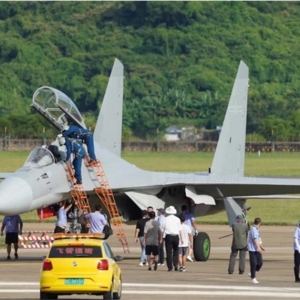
108, 131
229, 157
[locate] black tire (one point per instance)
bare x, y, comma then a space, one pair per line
201, 246
109, 295
118, 295
44, 295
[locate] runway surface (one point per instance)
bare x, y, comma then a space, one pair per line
19, 279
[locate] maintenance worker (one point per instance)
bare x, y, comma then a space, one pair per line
255, 250
239, 244
62, 218
190, 221
14, 226
173, 236
161, 254
74, 146
297, 252
85, 135
139, 235
96, 219
152, 237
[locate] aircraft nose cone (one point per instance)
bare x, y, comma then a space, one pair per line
15, 196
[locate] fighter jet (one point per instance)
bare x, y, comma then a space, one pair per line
42, 180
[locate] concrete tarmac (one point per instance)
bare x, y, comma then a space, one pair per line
19, 279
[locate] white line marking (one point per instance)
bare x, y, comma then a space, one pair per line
186, 286
190, 293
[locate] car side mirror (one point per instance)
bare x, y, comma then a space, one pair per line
118, 258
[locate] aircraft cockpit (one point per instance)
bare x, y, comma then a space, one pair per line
39, 157
56, 107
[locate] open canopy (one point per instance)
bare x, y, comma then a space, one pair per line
56, 107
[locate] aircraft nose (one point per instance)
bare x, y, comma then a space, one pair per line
15, 196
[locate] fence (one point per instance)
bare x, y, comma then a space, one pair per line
179, 146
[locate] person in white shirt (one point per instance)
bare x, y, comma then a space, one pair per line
173, 236
297, 252
187, 243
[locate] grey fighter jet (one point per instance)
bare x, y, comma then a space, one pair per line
42, 180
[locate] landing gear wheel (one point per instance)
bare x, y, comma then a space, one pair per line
201, 246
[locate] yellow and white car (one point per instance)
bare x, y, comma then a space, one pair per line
80, 264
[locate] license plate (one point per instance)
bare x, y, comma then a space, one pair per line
74, 281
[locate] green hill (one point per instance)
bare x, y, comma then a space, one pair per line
180, 61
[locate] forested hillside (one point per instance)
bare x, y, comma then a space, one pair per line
180, 61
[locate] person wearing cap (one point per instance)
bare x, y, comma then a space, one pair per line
297, 252
161, 254
244, 214
255, 250
239, 244
78, 133
173, 236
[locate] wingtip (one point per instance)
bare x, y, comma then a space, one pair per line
243, 71
118, 68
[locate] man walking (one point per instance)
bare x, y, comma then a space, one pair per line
239, 244
187, 243
189, 221
297, 252
161, 254
96, 219
173, 236
14, 226
139, 235
255, 250
152, 237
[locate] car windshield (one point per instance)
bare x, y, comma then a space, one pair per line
75, 251
39, 157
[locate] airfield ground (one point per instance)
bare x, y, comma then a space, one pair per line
205, 280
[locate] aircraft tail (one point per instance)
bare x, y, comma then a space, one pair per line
108, 130
229, 157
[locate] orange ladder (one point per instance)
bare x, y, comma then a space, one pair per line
106, 196
77, 192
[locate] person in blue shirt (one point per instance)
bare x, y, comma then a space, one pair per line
96, 219
76, 147
14, 226
297, 252
62, 218
85, 135
255, 249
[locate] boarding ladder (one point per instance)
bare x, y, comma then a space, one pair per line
104, 194
77, 192
106, 197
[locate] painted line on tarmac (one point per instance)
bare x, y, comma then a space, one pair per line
185, 286
189, 293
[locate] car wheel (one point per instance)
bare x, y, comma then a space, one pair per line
118, 294
109, 295
44, 295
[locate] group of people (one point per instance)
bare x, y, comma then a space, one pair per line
96, 219
73, 138
174, 232
246, 239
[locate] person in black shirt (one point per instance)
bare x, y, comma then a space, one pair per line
139, 235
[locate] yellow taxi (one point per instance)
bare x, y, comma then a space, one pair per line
80, 264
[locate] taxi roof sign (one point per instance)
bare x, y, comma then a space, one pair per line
77, 236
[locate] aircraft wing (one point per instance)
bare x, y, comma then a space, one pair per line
4, 175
